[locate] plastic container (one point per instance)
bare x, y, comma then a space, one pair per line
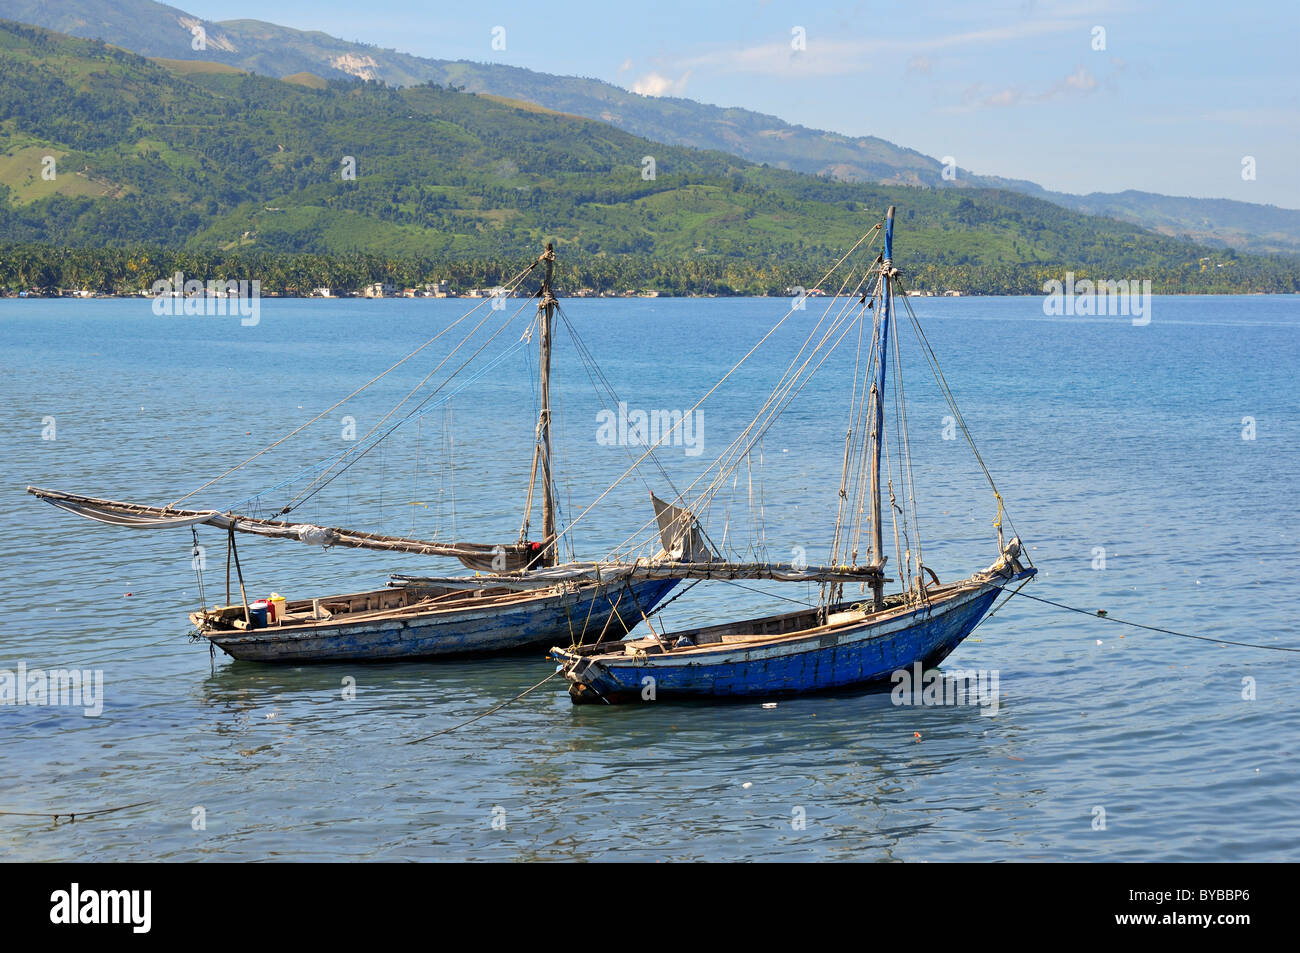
257, 613
277, 603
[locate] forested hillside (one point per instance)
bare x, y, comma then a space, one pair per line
100, 147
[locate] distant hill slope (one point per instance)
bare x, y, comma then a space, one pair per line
159, 152
155, 29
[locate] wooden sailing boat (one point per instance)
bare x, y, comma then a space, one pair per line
409, 619
839, 643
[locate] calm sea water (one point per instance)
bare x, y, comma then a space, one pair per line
1114, 446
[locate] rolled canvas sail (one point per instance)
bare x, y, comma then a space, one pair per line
482, 557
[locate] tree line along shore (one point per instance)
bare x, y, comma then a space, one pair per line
36, 270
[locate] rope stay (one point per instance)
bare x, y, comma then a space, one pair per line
303, 496
508, 287
667, 434
791, 384
932, 360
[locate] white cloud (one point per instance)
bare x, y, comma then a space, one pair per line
656, 84
659, 85
1081, 79
1079, 82
831, 56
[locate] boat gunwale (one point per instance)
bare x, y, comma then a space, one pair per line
686, 655
300, 629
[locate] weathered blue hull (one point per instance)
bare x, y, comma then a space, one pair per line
816, 659
500, 626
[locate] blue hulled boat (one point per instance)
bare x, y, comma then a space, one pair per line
841, 646
837, 643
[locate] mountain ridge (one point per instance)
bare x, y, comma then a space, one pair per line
280, 51
213, 161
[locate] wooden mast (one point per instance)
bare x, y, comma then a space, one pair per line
546, 314
878, 424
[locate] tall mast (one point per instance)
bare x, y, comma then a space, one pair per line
546, 314
878, 424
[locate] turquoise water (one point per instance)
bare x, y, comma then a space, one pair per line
1102, 435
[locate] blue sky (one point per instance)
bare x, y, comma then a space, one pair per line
1180, 95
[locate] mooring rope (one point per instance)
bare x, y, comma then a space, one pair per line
488, 712
1008, 591
1150, 628
73, 815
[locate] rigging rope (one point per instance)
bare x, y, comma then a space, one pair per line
764, 592
735, 367
198, 556
330, 462
595, 372
784, 393
301, 498
664, 605
509, 286
928, 352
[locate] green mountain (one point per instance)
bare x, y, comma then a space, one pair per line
206, 158
154, 29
